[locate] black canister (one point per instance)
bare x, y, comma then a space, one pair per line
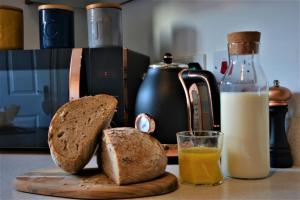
56, 26
280, 154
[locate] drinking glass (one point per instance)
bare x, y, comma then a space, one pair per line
199, 155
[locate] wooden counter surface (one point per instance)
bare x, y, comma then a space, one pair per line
281, 184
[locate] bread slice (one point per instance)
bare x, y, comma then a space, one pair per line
74, 129
129, 156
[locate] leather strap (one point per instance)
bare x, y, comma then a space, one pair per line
74, 75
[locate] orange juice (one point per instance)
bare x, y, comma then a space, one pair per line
200, 165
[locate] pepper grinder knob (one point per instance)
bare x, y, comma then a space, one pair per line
276, 83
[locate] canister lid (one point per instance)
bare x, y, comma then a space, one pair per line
55, 6
103, 5
10, 8
279, 96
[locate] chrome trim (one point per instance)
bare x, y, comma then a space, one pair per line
168, 66
210, 96
74, 74
196, 106
186, 98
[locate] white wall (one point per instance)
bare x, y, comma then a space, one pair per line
192, 27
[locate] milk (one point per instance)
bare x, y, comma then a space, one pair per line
245, 124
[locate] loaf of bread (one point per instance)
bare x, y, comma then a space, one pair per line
129, 156
74, 130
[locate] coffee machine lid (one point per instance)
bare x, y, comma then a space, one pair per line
168, 64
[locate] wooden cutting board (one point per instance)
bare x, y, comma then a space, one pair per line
90, 184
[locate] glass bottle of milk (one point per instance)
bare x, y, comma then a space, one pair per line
245, 110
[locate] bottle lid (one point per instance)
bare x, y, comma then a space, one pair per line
246, 42
279, 96
55, 6
103, 5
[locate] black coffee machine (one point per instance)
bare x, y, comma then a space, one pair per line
173, 98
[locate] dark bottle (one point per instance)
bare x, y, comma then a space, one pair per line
280, 154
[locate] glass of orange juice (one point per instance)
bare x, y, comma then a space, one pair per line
199, 155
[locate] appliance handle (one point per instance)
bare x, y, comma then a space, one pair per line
187, 78
187, 98
74, 74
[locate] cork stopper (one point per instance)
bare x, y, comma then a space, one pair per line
241, 43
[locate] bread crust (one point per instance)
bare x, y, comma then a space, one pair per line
73, 131
138, 157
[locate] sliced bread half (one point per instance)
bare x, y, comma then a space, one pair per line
74, 129
129, 156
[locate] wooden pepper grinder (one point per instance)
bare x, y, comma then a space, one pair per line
280, 154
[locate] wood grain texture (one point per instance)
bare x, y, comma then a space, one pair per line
90, 184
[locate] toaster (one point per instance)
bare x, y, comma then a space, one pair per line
38, 82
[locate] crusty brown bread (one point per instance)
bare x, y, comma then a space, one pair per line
129, 156
74, 129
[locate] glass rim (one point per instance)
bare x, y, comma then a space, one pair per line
182, 134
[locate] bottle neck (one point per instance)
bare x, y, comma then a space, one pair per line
244, 61
244, 73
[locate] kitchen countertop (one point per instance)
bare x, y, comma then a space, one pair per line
281, 184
